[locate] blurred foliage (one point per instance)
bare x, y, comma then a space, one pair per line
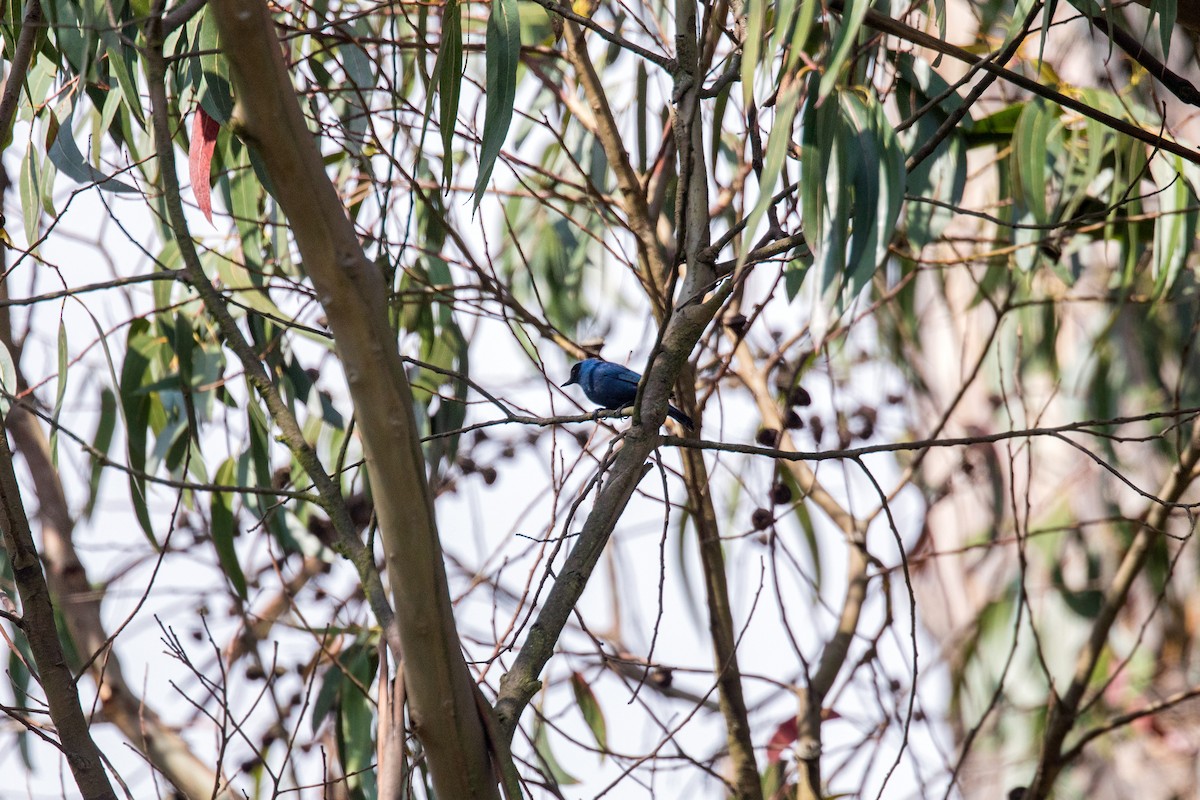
470, 162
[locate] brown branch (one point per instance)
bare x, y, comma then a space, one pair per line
74, 590
440, 691
653, 270
692, 239
1175, 83
568, 14
41, 632
520, 683
18, 68
1121, 720
836, 650
1064, 710
885, 24
950, 123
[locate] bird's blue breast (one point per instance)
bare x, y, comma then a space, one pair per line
610, 385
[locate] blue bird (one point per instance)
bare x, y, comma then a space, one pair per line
614, 386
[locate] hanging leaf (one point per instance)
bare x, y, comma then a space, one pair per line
449, 71
8, 379
852, 18
137, 406
879, 180
778, 142
756, 23
64, 356
589, 706
200, 153
100, 444
943, 175
224, 527
216, 93
1176, 224
65, 155
503, 52
553, 770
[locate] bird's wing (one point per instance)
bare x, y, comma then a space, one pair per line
616, 372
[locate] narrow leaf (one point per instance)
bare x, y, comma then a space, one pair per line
847, 35
585, 698
135, 372
778, 140
553, 770
752, 48
503, 51
200, 153
65, 155
449, 69
224, 527
63, 357
100, 444
8, 379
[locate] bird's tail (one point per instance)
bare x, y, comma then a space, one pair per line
680, 417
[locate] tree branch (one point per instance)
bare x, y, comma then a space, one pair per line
1064, 711
440, 690
885, 24
37, 615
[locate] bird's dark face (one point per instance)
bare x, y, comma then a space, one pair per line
574, 374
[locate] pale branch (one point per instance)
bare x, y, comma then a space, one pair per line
440, 691
256, 374
1121, 720
836, 650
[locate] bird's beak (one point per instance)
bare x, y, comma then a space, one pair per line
569, 382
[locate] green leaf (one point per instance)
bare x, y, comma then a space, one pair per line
216, 94
995, 128
589, 706
1030, 142
943, 175
140, 347
105, 427
356, 741
31, 192
756, 23
1166, 11
778, 140
503, 52
1175, 226
449, 71
122, 64
61, 392
852, 17
541, 744
65, 155
826, 174
879, 182
224, 527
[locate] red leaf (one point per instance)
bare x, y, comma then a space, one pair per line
204, 142
783, 738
